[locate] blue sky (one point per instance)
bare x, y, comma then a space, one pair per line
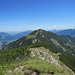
20, 15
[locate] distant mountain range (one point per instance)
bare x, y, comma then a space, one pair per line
54, 31
6, 38
9, 38
70, 32
4, 34
21, 34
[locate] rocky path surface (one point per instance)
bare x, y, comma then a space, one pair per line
15, 69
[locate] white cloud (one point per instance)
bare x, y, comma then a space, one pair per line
54, 26
49, 28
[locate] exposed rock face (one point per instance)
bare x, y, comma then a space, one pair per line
15, 69
17, 59
35, 41
44, 54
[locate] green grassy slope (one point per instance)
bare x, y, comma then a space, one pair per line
27, 59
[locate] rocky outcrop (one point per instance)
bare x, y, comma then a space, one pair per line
35, 41
44, 54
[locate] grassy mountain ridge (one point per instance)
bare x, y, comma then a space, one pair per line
26, 60
61, 43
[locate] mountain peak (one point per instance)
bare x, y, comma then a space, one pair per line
3, 33
60, 43
40, 30
36, 36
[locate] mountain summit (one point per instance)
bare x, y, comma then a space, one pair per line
60, 43
36, 36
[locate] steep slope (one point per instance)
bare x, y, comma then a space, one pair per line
32, 61
60, 43
70, 32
